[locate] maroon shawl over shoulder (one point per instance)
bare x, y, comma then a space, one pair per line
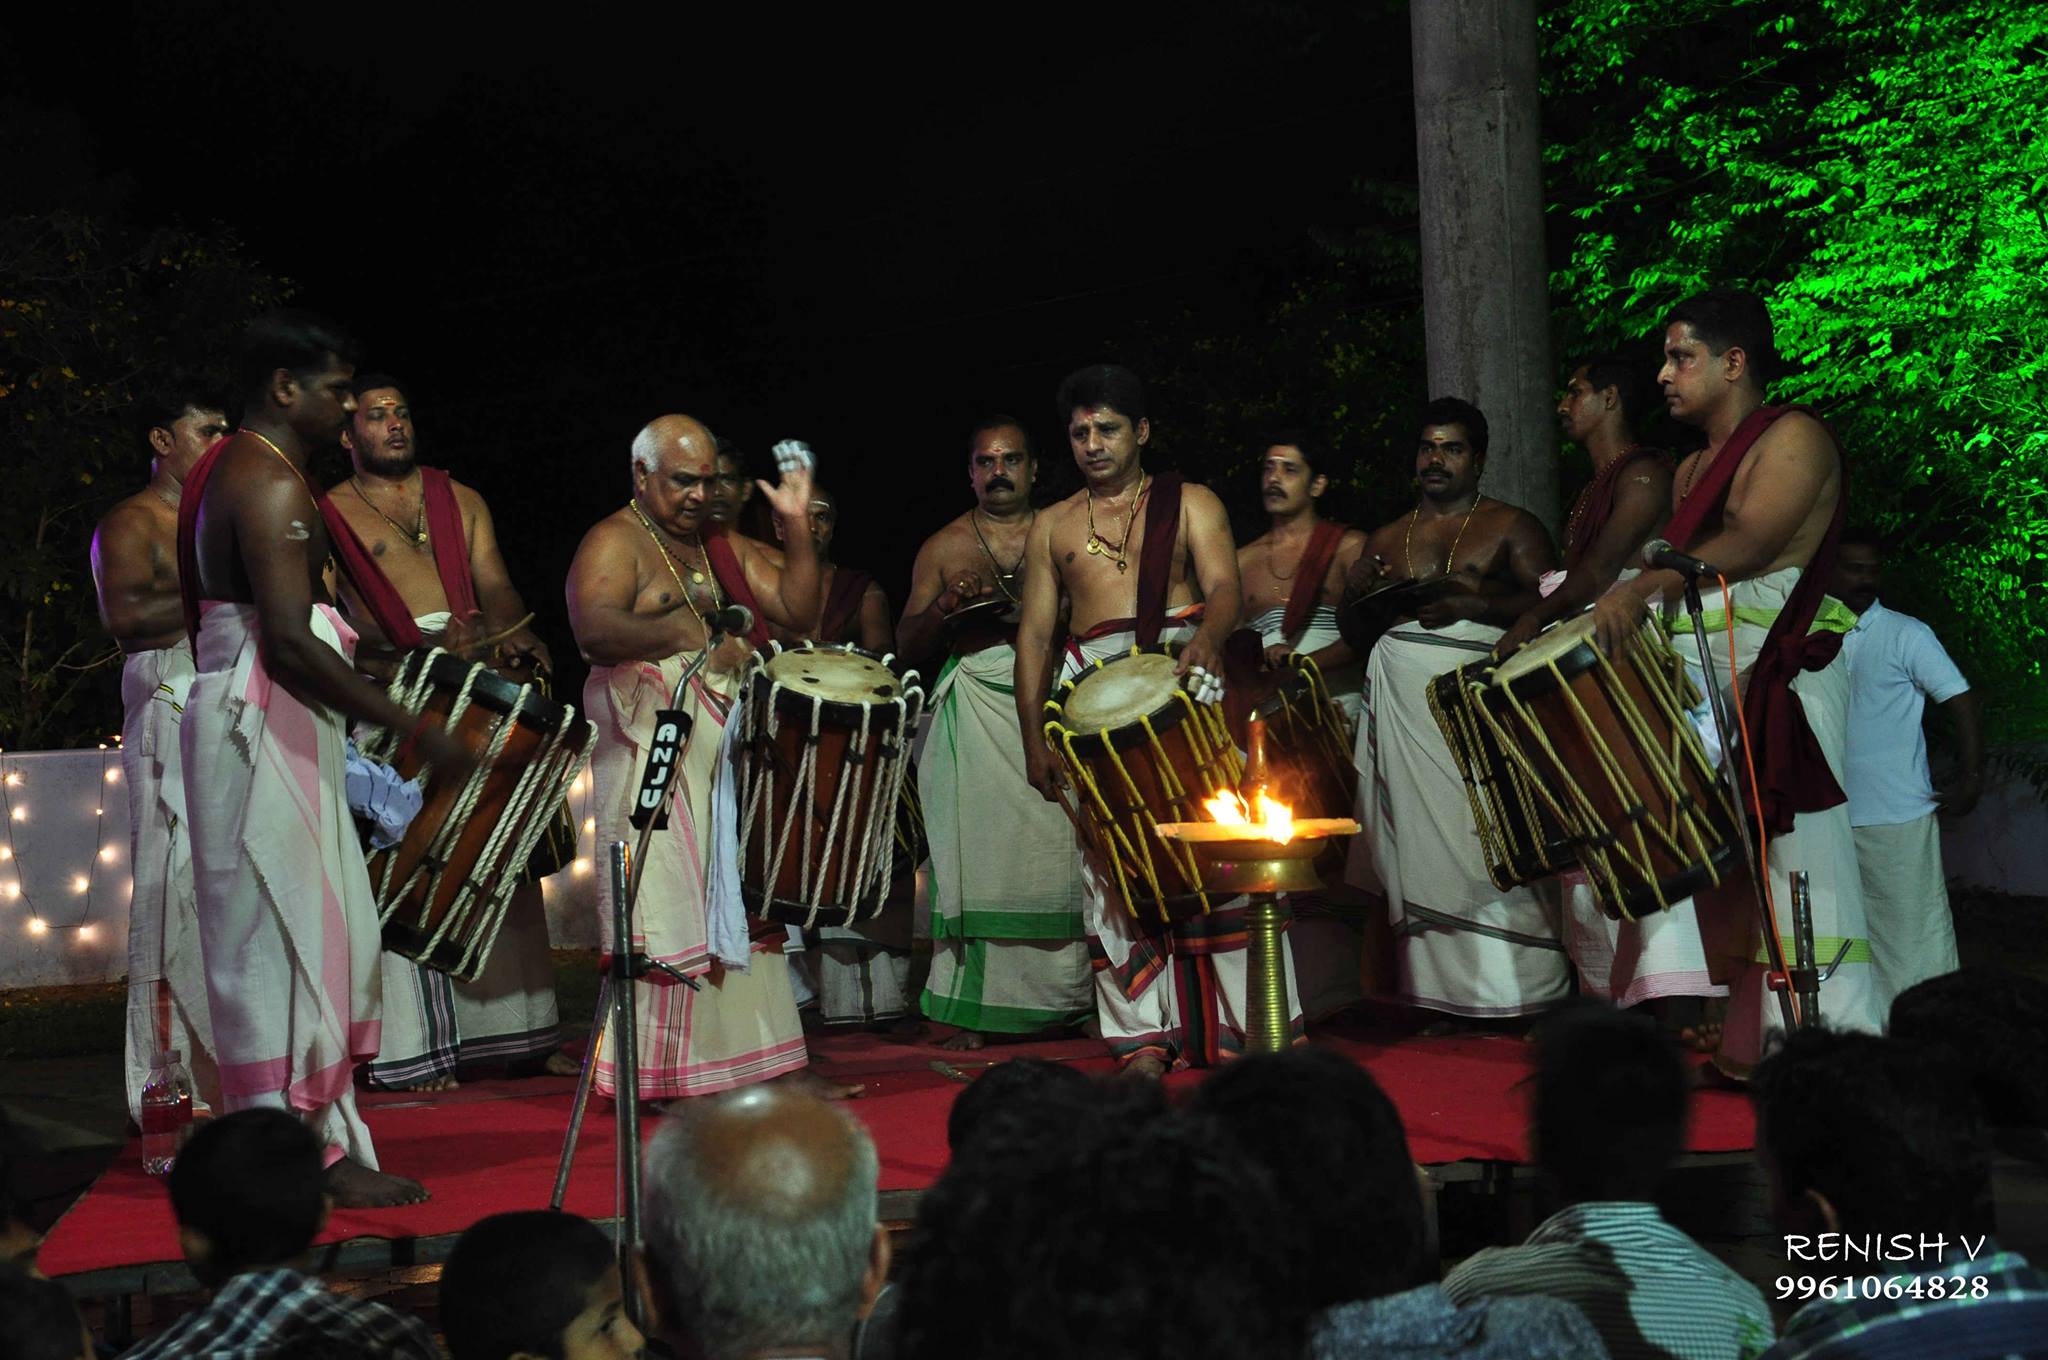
1308, 575
188, 536
1791, 768
1155, 564
840, 621
732, 579
1595, 505
451, 562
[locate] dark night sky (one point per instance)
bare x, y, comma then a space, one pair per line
855, 229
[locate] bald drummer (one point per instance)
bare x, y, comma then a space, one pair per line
642, 581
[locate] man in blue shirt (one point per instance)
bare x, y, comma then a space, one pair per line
1895, 666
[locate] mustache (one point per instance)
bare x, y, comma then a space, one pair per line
1001, 484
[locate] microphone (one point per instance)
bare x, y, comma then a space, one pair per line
731, 621
1658, 552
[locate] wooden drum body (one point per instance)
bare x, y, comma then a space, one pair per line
825, 736
1520, 835
442, 891
1140, 751
1308, 743
1608, 744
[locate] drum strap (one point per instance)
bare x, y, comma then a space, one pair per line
188, 541
732, 579
841, 619
1308, 575
1155, 559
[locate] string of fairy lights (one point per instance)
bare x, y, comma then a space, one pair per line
21, 808
34, 903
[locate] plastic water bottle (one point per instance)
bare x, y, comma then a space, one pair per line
166, 1110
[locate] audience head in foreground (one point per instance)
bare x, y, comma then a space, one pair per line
1333, 1145
760, 1224
537, 1285
1880, 1140
1610, 1104
250, 1193
1607, 1119
1097, 1227
1868, 1135
41, 1322
1994, 1027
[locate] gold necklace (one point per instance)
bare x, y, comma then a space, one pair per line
418, 532
286, 460
1003, 578
1098, 546
1408, 539
1699, 460
662, 548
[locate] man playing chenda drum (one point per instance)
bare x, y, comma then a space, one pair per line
1142, 558
858, 974
288, 922
641, 583
1293, 574
1763, 504
1657, 958
1462, 945
421, 568
1009, 950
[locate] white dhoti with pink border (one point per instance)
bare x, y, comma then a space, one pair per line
287, 920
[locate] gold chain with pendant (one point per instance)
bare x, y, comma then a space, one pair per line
670, 562
1098, 546
418, 532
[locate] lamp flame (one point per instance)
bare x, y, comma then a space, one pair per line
1275, 821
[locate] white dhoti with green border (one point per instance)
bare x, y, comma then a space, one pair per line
1009, 951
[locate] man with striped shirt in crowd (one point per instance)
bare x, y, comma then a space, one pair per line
1609, 1121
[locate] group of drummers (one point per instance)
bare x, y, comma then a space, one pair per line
347, 771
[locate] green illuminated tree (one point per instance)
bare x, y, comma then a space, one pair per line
1876, 169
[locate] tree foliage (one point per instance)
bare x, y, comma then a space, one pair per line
1876, 169
91, 315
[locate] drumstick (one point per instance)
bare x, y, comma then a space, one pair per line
494, 639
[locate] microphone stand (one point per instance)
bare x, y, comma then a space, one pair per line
615, 999
1774, 948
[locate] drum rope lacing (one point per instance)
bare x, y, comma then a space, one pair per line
546, 778
1599, 847
1215, 759
865, 842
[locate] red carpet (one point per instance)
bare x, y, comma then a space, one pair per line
493, 1145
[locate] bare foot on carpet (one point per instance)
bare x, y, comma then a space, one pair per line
1144, 1067
431, 1086
355, 1186
966, 1041
560, 1064
1704, 1037
824, 1088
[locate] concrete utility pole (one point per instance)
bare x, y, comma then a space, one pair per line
1485, 296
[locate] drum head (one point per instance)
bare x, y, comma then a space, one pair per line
1568, 642
1120, 691
834, 675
